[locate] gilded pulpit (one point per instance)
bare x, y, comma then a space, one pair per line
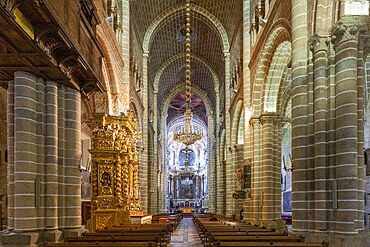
115, 187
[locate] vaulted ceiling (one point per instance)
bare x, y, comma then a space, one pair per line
214, 26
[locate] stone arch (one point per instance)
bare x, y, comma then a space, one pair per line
275, 77
285, 95
179, 56
133, 107
210, 127
235, 122
279, 32
173, 10
181, 88
109, 76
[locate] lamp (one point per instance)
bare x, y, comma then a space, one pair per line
186, 134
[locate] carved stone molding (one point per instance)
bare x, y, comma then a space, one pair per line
350, 28
11, 5
319, 43
269, 118
69, 65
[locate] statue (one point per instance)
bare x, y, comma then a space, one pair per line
239, 179
239, 185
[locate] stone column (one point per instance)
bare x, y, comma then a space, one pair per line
255, 212
349, 125
212, 179
25, 156
230, 170
300, 113
11, 139
162, 198
175, 188
51, 143
153, 196
170, 186
321, 95
143, 168
125, 45
246, 95
72, 147
218, 155
270, 175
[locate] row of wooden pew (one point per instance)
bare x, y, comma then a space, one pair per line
174, 219
215, 231
135, 235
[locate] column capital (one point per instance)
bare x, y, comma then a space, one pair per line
268, 117
254, 120
319, 42
349, 28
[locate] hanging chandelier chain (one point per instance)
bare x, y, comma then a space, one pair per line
187, 52
187, 135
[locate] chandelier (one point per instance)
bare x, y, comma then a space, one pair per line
186, 134
187, 174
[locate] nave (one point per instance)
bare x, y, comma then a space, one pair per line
254, 110
185, 235
188, 230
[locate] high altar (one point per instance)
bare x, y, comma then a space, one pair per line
115, 186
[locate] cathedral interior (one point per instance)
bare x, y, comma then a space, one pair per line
272, 94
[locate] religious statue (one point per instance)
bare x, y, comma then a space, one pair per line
239, 179
239, 185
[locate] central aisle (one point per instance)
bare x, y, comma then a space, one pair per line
186, 235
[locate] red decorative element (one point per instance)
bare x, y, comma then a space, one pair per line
179, 101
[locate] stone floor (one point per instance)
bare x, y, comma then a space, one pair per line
185, 235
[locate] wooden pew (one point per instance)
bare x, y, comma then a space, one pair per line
255, 238
119, 238
248, 233
100, 244
164, 237
228, 233
269, 244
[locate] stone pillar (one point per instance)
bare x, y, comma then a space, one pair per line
255, 213
321, 110
300, 113
230, 169
143, 167
11, 139
125, 45
270, 174
51, 173
246, 96
175, 188
162, 198
349, 171
327, 130
72, 148
25, 155
153, 196
44, 153
212, 179
218, 157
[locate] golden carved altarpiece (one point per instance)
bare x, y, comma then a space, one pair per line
114, 173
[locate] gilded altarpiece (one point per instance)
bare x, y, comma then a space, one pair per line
114, 173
